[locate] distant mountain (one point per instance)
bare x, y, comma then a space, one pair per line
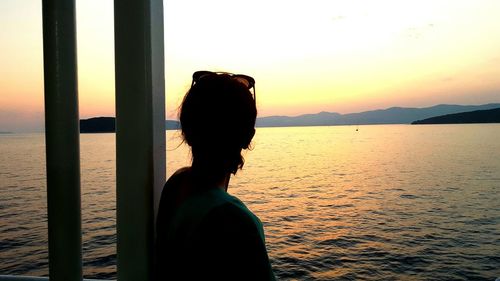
393, 115
319, 119
172, 125
477, 116
98, 125
107, 125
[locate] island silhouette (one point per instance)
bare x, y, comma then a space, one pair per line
477, 116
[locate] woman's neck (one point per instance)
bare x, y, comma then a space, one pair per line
208, 179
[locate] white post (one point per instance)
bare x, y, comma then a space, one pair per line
62, 140
140, 131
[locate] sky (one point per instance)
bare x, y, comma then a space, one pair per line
306, 56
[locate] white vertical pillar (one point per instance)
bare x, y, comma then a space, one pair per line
140, 131
62, 140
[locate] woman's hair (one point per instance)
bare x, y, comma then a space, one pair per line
217, 119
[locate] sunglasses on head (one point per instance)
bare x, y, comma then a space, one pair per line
246, 80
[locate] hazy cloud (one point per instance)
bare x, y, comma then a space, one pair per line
338, 18
447, 79
417, 32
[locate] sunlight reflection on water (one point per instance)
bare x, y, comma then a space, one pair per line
392, 202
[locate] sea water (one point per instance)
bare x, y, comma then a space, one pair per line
380, 202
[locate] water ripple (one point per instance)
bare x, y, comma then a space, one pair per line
334, 206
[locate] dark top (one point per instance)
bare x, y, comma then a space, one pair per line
208, 235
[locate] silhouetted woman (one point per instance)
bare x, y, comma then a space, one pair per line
203, 233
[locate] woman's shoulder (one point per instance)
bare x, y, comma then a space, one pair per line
232, 233
233, 212
173, 193
180, 175
216, 204
177, 184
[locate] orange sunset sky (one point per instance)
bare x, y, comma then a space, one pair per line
306, 55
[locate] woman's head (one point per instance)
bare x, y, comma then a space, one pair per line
217, 119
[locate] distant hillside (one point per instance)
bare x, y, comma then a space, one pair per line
478, 116
98, 125
172, 125
107, 125
393, 115
319, 119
